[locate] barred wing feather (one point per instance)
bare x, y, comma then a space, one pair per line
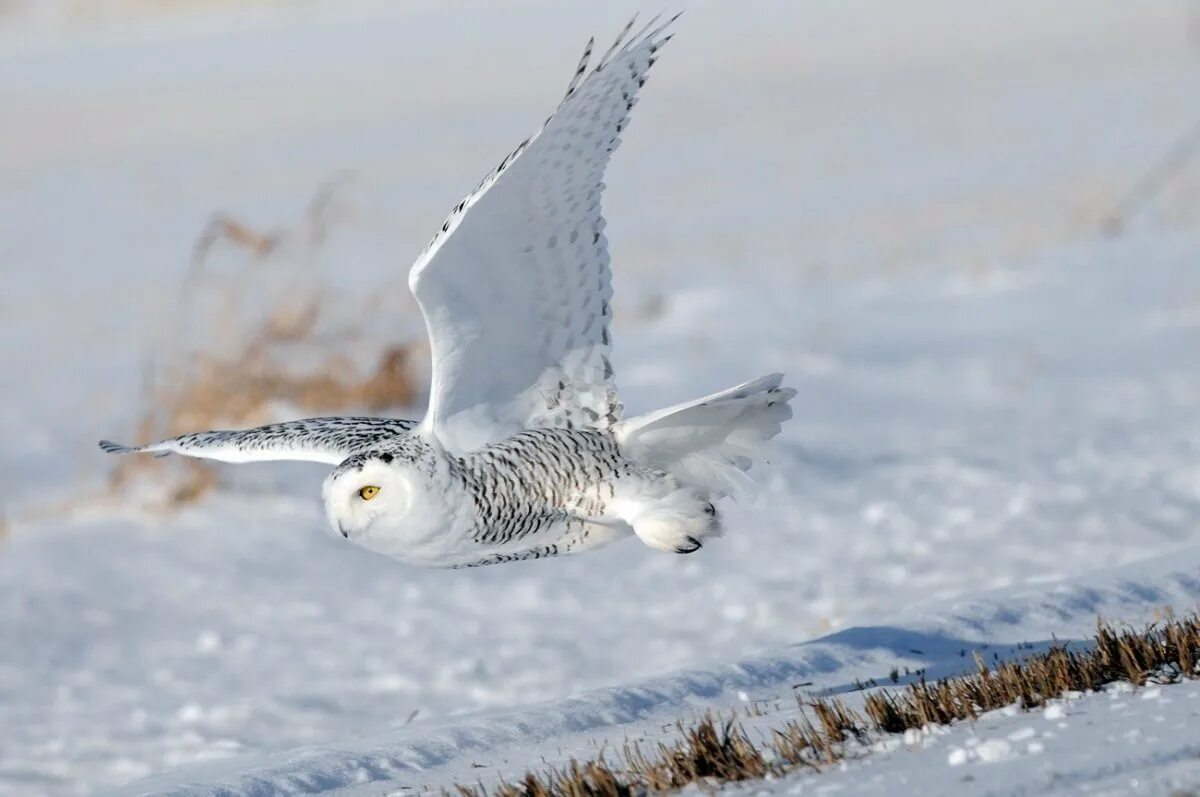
328, 440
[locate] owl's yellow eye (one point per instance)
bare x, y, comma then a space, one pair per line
368, 492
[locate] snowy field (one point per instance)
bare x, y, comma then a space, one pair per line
1120, 742
901, 208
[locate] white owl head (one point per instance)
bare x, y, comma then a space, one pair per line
372, 496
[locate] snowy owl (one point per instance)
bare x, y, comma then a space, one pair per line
523, 452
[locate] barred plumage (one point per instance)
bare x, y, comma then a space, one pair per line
539, 478
523, 452
317, 439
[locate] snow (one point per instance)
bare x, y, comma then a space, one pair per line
900, 210
936, 638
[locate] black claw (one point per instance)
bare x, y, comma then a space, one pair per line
709, 509
695, 546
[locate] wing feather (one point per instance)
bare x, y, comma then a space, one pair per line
516, 288
580, 71
328, 440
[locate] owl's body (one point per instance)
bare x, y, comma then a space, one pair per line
541, 492
523, 452
552, 491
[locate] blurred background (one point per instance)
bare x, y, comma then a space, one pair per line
969, 234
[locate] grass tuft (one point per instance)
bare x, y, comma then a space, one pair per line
710, 750
1163, 654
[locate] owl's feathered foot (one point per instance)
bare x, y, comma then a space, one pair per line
666, 516
691, 543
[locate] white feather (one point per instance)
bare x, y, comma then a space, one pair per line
712, 441
515, 288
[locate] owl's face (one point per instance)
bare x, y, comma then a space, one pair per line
369, 498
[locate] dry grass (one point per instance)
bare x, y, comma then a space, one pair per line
591, 779
709, 750
713, 751
246, 341
1164, 653
1153, 183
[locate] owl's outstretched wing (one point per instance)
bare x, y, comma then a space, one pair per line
515, 287
328, 440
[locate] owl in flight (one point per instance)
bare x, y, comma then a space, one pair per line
523, 452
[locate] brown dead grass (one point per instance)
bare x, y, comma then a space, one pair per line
590, 779
708, 750
1164, 654
224, 365
712, 751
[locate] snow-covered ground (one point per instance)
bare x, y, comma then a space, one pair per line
938, 639
899, 207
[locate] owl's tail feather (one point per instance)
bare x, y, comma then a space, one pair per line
711, 442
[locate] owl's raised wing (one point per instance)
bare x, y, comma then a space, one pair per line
515, 287
328, 440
